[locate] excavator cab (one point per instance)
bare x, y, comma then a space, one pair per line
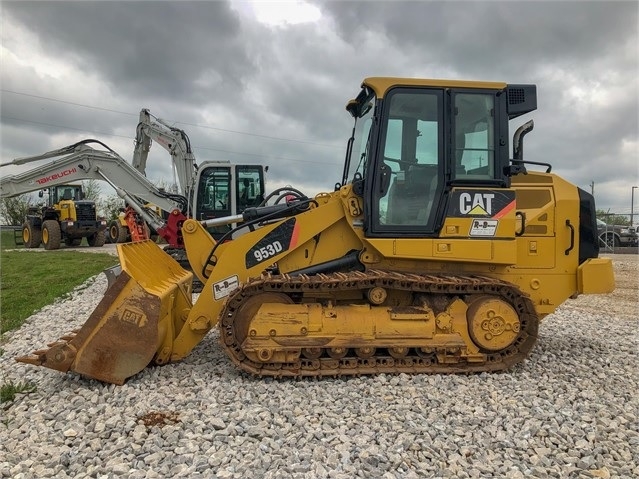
223, 189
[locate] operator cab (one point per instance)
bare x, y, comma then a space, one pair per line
66, 193
415, 140
227, 190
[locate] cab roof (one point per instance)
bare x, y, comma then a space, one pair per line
380, 85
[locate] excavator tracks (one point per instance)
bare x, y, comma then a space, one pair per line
470, 323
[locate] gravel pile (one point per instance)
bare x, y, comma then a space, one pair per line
570, 411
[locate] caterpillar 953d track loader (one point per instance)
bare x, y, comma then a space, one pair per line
435, 253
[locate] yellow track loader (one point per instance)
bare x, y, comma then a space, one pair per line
436, 252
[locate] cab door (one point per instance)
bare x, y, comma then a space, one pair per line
409, 170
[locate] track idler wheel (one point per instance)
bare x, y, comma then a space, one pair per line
398, 352
312, 353
493, 324
337, 353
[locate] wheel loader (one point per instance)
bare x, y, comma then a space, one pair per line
67, 217
435, 253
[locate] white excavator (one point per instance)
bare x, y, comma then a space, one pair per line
212, 190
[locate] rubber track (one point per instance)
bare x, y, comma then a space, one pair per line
451, 285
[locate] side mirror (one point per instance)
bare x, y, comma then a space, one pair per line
352, 106
357, 109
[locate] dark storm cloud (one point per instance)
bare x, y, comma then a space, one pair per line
158, 49
237, 85
583, 56
192, 62
482, 35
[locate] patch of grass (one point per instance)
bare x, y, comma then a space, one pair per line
33, 279
9, 390
7, 240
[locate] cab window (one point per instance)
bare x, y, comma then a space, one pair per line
213, 192
250, 184
412, 153
474, 124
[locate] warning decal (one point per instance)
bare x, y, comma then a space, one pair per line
483, 227
223, 288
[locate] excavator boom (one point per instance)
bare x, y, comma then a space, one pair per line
82, 162
172, 139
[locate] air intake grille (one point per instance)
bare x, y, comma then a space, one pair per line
516, 95
85, 212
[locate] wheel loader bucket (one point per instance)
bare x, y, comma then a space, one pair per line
133, 323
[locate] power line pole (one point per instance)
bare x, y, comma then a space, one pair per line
632, 205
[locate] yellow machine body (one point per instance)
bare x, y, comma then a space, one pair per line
319, 292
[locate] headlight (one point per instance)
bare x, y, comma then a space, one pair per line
624, 231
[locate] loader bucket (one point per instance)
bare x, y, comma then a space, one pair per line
134, 323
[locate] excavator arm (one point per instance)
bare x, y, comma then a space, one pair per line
172, 139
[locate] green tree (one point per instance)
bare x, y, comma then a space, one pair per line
613, 219
13, 210
109, 207
92, 190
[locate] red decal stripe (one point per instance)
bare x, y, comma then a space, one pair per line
505, 210
296, 232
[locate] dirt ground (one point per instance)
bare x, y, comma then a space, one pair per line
107, 248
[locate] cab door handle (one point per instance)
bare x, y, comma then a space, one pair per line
572, 237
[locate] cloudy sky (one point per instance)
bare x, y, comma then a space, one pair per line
267, 82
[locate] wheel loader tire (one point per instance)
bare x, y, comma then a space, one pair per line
117, 232
31, 236
72, 241
97, 239
51, 235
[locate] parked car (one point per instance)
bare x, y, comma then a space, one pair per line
614, 236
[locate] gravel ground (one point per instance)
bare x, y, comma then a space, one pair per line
570, 411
